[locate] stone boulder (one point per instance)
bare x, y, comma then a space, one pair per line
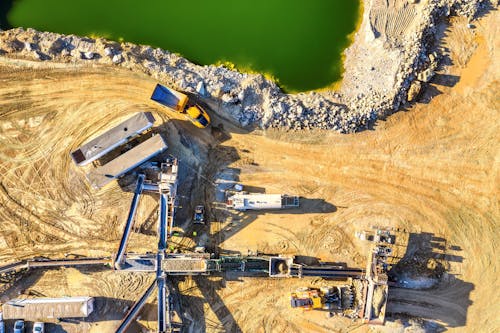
414, 90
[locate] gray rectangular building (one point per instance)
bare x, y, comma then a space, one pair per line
39, 309
113, 138
105, 174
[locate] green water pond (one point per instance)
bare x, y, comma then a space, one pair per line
297, 42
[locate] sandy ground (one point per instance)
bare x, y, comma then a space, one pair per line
431, 170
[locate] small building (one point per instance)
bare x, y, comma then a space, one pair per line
39, 309
113, 138
257, 201
133, 158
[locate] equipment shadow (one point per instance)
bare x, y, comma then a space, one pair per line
421, 285
192, 307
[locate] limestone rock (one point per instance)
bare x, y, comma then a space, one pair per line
414, 90
426, 75
87, 55
200, 89
117, 58
229, 99
28, 46
57, 46
108, 51
15, 45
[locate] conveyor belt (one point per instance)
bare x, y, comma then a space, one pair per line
150, 187
326, 272
69, 262
14, 266
130, 220
162, 223
243, 264
163, 309
38, 263
134, 310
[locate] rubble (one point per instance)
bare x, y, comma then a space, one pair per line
88, 55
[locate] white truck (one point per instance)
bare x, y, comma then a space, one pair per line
258, 201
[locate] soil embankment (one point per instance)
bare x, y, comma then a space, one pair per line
395, 45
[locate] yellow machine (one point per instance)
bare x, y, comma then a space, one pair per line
306, 298
198, 116
326, 298
179, 102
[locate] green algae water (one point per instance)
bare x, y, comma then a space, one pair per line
298, 42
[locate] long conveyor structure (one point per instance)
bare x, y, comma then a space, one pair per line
198, 264
134, 310
165, 264
326, 272
166, 186
45, 263
130, 220
162, 225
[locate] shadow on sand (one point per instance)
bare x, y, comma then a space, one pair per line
423, 289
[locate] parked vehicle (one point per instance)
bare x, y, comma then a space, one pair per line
198, 116
39, 327
256, 201
2, 323
19, 326
199, 214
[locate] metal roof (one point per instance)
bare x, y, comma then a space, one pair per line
38, 309
105, 174
256, 201
113, 138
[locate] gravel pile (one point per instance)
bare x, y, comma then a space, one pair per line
250, 99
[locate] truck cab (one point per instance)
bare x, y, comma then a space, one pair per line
198, 116
306, 298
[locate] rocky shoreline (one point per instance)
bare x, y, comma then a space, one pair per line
393, 54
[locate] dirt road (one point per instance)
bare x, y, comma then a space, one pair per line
432, 169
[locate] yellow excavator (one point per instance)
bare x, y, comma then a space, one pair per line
324, 298
306, 298
178, 101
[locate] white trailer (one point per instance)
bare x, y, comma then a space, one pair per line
257, 201
131, 159
118, 135
39, 309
